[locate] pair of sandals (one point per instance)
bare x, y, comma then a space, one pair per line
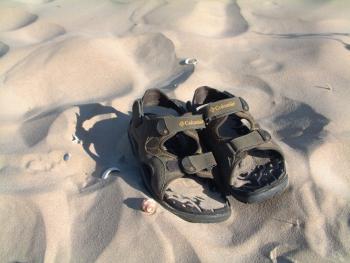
193, 155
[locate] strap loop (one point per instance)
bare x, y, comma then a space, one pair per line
172, 124
195, 163
250, 140
224, 107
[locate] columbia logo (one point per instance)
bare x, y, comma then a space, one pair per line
190, 123
221, 106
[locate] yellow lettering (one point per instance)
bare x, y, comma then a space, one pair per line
190, 123
221, 106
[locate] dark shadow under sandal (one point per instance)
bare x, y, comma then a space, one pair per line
175, 169
251, 165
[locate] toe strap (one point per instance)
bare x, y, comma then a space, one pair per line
196, 163
165, 171
251, 140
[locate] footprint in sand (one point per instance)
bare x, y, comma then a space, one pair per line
317, 234
328, 163
58, 61
21, 28
34, 33
156, 54
257, 92
264, 66
324, 197
206, 18
109, 67
23, 231
14, 18
3, 49
46, 162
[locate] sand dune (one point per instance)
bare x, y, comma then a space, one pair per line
14, 18
34, 33
207, 18
69, 72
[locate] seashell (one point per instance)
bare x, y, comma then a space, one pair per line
149, 206
107, 173
189, 61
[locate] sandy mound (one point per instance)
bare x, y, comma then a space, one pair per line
99, 60
206, 18
14, 18
34, 33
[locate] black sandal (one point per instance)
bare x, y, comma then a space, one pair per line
251, 166
175, 170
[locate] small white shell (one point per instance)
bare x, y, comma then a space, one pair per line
149, 206
192, 61
107, 172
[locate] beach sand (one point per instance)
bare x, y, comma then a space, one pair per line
69, 73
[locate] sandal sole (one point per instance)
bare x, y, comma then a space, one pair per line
263, 195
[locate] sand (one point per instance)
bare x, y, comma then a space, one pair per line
69, 72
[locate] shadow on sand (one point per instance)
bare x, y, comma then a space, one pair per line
102, 131
301, 127
106, 141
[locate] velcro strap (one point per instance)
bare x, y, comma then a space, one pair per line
250, 140
224, 107
195, 163
173, 124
